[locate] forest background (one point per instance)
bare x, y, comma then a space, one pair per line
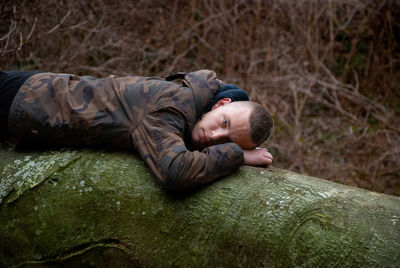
328, 71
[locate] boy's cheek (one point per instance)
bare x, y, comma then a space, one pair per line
196, 138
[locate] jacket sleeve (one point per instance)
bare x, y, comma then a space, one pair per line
159, 142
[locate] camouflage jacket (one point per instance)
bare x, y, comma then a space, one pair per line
150, 115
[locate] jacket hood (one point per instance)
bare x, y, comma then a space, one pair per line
205, 85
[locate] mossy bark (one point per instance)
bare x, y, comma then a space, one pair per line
93, 208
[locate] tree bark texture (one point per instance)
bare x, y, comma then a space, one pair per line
104, 209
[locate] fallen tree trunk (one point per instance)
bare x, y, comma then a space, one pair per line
104, 209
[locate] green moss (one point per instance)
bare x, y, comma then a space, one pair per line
92, 203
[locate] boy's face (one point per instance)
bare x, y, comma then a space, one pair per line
226, 122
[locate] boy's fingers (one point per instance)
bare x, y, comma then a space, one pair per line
268, 158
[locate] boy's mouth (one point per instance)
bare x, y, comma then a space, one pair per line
204, 138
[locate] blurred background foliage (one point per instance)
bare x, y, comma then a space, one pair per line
328, 71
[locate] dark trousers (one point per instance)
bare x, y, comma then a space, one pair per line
10, 82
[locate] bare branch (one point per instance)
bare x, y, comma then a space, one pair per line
60, 23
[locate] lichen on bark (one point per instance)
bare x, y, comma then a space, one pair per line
85, 207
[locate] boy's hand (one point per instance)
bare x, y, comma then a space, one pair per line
257, 157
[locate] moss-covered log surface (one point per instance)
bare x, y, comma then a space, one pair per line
93, 208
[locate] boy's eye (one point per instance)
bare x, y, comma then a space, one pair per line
224, 122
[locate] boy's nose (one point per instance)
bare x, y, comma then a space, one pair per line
219, 134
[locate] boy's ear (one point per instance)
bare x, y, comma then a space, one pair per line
221, 102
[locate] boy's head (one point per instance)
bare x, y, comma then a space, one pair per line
245, 123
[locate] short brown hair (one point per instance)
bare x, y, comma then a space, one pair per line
261, 124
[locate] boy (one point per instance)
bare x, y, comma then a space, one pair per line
162, 120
